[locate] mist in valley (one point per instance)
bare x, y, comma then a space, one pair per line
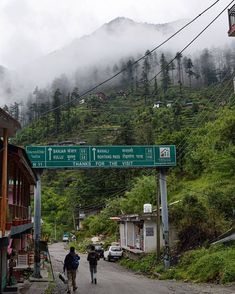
87, 61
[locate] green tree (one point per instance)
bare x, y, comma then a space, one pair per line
178, 58
172, 69
145, 75
188, 64
208, 68
126, 135
193, 221
165, 79
143, 191
56, 109
129, 74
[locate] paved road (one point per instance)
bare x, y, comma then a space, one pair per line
114, 279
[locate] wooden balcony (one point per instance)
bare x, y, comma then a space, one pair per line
17, 212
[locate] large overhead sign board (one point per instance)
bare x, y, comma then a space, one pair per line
101, 156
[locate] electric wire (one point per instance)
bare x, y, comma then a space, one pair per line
90, 90
192, 41
150, 171
146, 55
135, 62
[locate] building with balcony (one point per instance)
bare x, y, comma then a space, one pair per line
17, 181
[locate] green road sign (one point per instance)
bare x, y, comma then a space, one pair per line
101, 156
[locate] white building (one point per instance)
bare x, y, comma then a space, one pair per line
138, 232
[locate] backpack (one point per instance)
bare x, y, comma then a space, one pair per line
75, 262
93, 258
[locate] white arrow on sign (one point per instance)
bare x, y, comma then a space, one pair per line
94, 150
49, 150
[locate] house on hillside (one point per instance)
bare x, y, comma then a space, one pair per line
101, 96
169, 103
158, 104
188, 105
123, 94
16, 186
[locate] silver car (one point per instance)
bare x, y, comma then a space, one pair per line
113, 253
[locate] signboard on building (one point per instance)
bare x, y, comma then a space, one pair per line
149, 231
102, 156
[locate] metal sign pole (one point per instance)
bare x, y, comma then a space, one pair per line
37, 227
165, 225
158, 219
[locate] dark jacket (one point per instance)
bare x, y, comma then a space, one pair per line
68, 261
93, 257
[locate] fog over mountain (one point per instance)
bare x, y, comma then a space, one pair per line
119, 39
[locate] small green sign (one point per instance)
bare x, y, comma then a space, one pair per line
101, 156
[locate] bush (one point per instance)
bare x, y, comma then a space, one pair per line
144, 264
215, 264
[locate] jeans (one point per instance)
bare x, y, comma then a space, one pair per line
93, 271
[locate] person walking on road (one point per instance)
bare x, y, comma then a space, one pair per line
71, 264
93, 257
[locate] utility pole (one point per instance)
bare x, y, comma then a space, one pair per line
74, 223
37, 225
165, 225
55, 231
158, 218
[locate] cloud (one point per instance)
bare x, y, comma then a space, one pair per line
31, 28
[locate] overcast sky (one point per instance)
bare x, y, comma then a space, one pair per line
31, 28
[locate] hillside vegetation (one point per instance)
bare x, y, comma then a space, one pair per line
196, 114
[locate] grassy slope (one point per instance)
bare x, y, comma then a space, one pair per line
215, 264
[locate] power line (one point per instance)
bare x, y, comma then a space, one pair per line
194, 39
145, 56
135, 62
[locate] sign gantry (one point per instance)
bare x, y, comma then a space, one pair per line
102, 156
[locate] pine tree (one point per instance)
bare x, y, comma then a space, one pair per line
129, 74
172, 68
208, 68
188, 65
165, 79
145, 75
56, 109
155, 86
178, 58
74, 97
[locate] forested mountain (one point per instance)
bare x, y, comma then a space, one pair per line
190, 105
166, 97
151, 78
90, 59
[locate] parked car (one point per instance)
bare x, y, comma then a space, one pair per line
99, 249
113, 253
73, 238
65, 237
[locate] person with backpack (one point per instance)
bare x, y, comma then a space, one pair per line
71, 264
93, 257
